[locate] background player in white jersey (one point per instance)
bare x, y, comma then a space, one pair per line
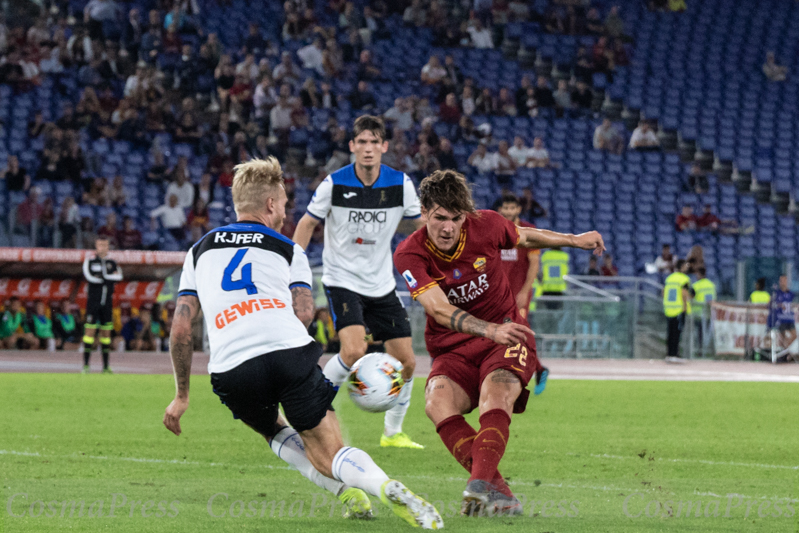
362, 204
254, 288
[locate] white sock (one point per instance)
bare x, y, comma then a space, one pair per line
336, 371
288, 445
395, 415
355, 468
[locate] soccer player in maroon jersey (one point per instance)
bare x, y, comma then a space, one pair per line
520, 263
483, 351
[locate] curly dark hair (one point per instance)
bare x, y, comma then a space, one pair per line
447, 189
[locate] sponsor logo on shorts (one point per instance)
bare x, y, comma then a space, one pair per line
409, 279
480, 264
235, 311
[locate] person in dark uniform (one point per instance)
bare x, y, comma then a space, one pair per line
101, 274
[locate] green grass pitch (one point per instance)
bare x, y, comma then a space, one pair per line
587, 456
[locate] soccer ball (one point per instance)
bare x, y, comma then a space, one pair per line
375, 382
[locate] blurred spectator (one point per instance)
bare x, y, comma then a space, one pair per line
180, 170
87, 234
563, 98
686, 220
519, 152
643, 138
286, 71
608, 268
46, 224
697, 180
29, 211
454, 78
117, 195
401, 115
173, 218
198, 220
109, 231
367, 70
182, 189
311, 55
68, 220
614, 24
481, 36
433, 73
449, 111
415, 14
583, 65
97, 194
468, 101
695, 259
666, 261
158, 170
65, 328
129, 237
138, 332
482, 161
446, 156
425, 161
485, 103
543, 94
506, 103
538, 156
608, 138
707, 221
772, 70
592, 269
15, 176
204, 190
553, 20
41, 329
362, 98
95, 13
582, 96
226, 176
505, 163
327, 98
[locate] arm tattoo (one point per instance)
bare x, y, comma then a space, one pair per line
181, 346
463, 322
302, 303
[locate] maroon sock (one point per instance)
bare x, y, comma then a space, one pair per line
458, 437
489, 444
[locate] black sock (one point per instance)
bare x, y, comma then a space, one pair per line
106, 350
87, 353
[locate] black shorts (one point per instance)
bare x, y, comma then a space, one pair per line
97, 313
784, 327
291, 378
385, 317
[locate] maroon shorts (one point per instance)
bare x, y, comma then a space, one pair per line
469, 364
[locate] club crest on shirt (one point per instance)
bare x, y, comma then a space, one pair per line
480, 264
456, 274
409, 279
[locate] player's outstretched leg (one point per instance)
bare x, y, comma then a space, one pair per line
497, 396
393, 436
355, 468
288, 446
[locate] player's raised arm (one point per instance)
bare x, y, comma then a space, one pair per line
181, 348
304, 231
436, 305
542, 238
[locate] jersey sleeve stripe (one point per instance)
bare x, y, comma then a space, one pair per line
316, 217
299, 284
420, 290
187, 292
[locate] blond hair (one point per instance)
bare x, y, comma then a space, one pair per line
254, 182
